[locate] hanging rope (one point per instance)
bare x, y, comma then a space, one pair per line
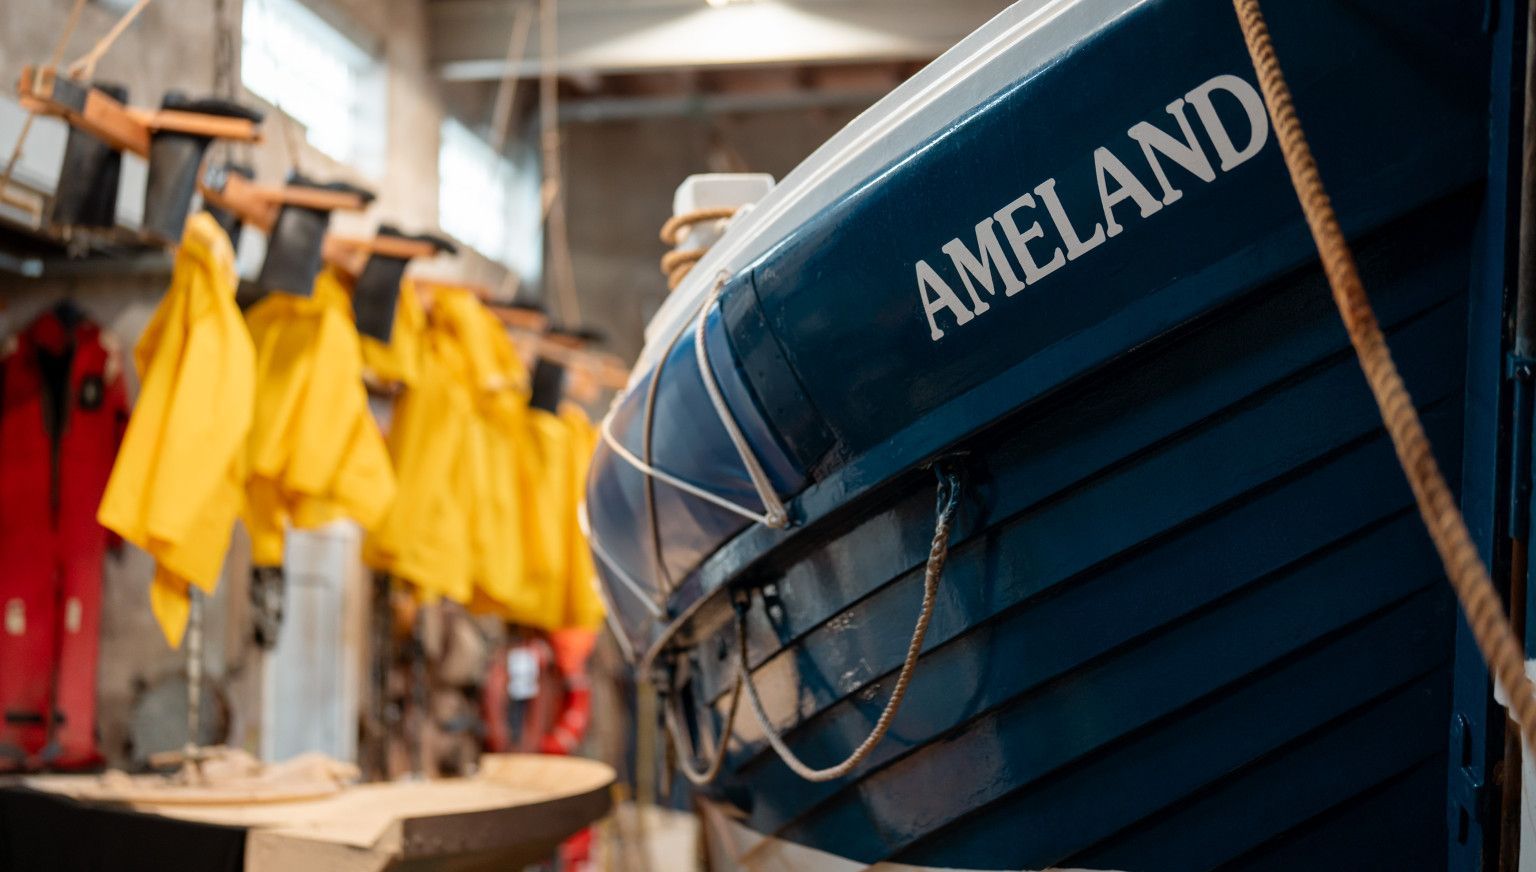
26, 126
502, 115
85, 67
675, 265
685, 755
1463, 566
562, 268
948, 500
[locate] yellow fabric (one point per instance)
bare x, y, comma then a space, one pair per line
398, 361
315, 452
584, 606
453, 530
560, 564
486, 509
176, 486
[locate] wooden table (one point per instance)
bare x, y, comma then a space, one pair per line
515, 812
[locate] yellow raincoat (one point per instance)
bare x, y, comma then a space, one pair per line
177, 483
583, 604
315, 452
454, 531
424, 538
555, 461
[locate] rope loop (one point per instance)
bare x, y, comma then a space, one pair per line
715, 759
675, 265
672, 230
947, 500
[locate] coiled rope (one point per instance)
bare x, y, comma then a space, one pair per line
1463, 566
947, 500
675, 265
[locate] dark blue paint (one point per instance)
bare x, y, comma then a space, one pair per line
1191, 620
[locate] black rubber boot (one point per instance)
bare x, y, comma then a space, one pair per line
88, 178
294, 246
378, 288
174, 162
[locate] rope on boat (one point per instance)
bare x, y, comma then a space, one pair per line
675, 265
685, 755
774, 514
1463, 566
948, 499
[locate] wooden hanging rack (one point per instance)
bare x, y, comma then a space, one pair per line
258, 205
530, 327
124, 128
350, 253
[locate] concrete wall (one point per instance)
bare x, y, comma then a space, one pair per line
620, 178
174, 45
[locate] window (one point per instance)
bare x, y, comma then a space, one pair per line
490, 202
295, 60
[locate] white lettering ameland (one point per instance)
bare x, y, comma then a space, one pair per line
1038, 256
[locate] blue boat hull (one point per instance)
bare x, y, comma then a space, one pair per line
1190, 619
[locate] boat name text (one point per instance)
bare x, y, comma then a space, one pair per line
979, 269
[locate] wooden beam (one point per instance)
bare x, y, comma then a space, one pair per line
122, 128
257, 205
387, 246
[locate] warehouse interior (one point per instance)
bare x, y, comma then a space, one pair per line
827, 435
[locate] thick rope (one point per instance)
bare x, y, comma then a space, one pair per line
1464, 567
938, 553
685, 753
675, 265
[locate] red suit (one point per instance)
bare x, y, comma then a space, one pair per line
62, 413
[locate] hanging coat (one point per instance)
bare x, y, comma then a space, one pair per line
583, 604
549, 514
454, 531
497, 383
314, 452
62, 412
178, 482
424, 537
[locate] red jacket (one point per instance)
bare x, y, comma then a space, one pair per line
62, 412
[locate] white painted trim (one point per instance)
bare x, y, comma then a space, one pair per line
1019, 41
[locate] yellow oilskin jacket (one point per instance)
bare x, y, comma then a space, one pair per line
177, 484
583, 603
398, 361
424, 538
315, 453
497, 384
454, 529
555, 461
